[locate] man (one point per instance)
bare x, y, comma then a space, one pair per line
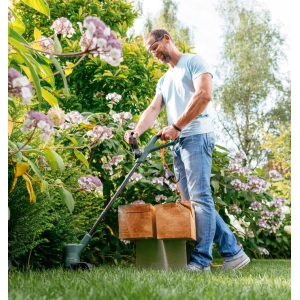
186, 91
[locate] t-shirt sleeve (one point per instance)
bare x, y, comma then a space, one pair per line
199, 66
158, 87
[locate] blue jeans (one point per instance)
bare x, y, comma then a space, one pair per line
192, 167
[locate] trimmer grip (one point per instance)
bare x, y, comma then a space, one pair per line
134, 144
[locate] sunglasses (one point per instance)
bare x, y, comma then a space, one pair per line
153, 51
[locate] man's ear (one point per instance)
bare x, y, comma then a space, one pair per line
167, 38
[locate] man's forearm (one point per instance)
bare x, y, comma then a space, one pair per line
147, 119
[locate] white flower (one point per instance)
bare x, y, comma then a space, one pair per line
20, 81
26, 95
287, 229
56, 115
285, 210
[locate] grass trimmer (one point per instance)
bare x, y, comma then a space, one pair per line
72, 252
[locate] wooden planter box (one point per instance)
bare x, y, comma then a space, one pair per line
175, 221
136, 221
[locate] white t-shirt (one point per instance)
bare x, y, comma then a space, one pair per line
176, 87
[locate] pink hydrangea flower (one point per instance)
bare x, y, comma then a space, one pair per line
99, 133
132, 125
108, 167
237, 155
262, 223
46, 44
160, 197
234, 166
63, 26
234, 209
159, 180
11, 18
113, 97
263, 251
36, 120
275, 175
19, 86
116, 160
75, 117
90, 184
257, 185
122, 117
278, 202
135, 177
265, 214
100, 40
256, 205
245, 171
137, 202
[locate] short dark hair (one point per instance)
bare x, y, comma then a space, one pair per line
158, 33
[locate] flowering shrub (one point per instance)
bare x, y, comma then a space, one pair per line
245, 203
55, 126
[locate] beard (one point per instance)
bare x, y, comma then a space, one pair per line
164, 57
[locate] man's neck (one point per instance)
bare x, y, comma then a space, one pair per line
175, 58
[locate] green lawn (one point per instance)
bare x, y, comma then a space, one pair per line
261, 279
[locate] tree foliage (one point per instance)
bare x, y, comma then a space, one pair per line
167, 19
253, 88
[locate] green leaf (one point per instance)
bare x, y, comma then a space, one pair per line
60, 70
67, 198
60, 161
219, 201
44, 186
81, 157
35, 168
17, 45
57, 45
37, 34
215, 185
107, 73
268, 196
27, 72
33, 151
73, 140
54, 160
14, 146
49, 97
15, 35
46, 72
260, 171
34, 75
20, 145
221, 147
17, 25
39, 5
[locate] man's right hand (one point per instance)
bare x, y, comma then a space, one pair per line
127, 135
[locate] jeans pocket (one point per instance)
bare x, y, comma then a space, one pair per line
211, 140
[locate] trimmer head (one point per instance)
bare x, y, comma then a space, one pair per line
72, 253
82, 266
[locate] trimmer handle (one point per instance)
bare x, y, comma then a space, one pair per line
134, 146
151, 148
